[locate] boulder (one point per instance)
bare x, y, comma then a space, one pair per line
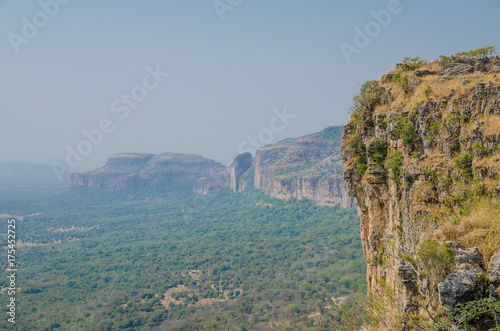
494, 268
471, 255
495, 69
494, 275
462, 285
422, 73
459, 69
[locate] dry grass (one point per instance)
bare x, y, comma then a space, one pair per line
440, 88
436, 161
492, 125
382, 309
480, 228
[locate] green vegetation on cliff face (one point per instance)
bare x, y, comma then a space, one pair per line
108, 260
421, 155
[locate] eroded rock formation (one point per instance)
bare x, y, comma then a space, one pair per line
160, 171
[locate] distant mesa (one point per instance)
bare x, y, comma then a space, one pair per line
158, 171
309, 167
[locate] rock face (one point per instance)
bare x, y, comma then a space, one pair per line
411, 158
471, 256
130, 171
466, 282
494, 275
240, 165
308, 167
461, 285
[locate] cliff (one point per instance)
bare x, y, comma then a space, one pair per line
421, 156
309, 167
160, 171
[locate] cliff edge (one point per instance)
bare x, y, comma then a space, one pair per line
421, 155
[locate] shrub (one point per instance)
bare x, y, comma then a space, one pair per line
464, 165
357, 144
444, 61
363, 164
369, 96
412, 63
434, 129
466, 314
428, 91
406, 131
403, 82
455, 148
464, 117
479, 52
434, 257
395, 162
378, 150
479, 150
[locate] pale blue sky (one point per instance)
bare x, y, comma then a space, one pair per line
226, 77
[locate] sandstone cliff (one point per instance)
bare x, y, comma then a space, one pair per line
129, 171
421, 156
308, 167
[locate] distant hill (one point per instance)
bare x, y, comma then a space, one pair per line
158, 171
29, 174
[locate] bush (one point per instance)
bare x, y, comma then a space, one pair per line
378, 150
406, 131
428, 91
464, 165
434, 256
479, 52
469, 313
370, 96
395, 162
403, 82
357, 144
445, 61
412, 63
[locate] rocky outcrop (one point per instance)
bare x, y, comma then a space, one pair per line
413, 159
161, 171
460, 286
240, 165
459, 69
466, 282
494, 275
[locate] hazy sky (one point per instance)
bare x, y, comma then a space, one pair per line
232, 66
